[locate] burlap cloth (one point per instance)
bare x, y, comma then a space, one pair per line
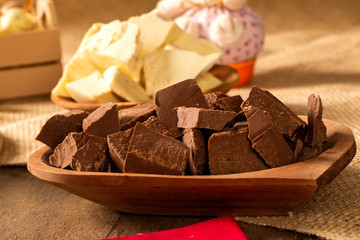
311, 46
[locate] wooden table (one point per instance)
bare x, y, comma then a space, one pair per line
34, 209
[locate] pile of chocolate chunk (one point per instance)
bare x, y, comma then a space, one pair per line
186, 132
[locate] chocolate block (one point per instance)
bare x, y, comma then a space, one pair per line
232, 103
239, 125
211, 98
130, 116
288, 123
186, 93
154, 124
267, 140
118, 145
231, 152
59, 126
152, 152
103, 121
298, 148
203, 118
82, 152
310, 152
317, 129
194, 140
239, 117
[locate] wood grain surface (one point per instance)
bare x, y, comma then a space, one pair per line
33, 209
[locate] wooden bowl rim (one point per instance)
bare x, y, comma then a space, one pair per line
344, 149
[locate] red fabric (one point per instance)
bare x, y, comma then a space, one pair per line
222, 228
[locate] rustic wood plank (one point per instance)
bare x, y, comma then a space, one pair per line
34, 209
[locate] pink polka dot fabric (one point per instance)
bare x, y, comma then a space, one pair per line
252, 41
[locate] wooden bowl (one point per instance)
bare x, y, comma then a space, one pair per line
229, 77
267, 192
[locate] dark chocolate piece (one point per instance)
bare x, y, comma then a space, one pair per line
231, 152
211, 98
298, 148
194, 140
288, 123
103, 121
267, 140
130, 116
82, 152
59, 126
118, 145
239, 117
239, 125
154, 124
203, 118
232, 103
317, 129
186, 93
273, 148
152, 152
111, 167
258, 121
310, 152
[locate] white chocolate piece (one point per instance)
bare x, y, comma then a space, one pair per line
226, 31
78, 67
234, 4
100, 36
126, 49
155, 31
207, 81
91, 88
123, 85
169, 66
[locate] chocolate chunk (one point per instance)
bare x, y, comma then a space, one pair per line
118, 145
232, 103
288, 123
310, 152
231, 152
317, 129
298, 148
273, 148
103, 121
203, 118
111, 167
82, 152
152, 152
267, 140
239, 125
186, 93
154, 124
194, 140
130, 116
258, 121
211, 98
239, 117
59, 126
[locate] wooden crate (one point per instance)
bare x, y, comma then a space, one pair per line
30, 61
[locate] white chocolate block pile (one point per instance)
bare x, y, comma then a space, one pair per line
131, 60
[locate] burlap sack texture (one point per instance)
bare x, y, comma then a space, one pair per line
311, 46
